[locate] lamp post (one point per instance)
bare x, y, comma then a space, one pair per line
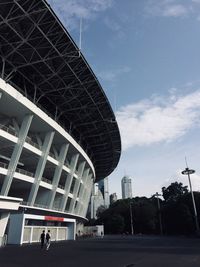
131, 215
187, 172
159, 212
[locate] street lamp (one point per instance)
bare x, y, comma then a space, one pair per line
131, 215
187, 172
159, 212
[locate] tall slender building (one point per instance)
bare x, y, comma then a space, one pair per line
126, 187
96, 201
103, 187
99, 197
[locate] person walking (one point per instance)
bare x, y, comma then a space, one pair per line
101, 234
48, 239
42, 238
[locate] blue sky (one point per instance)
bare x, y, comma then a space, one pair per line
146, 55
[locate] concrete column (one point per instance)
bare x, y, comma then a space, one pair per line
16, 229
16, 126
92, 207
69, 179
16, 154
71, 231
57, 174
76, 187
87, 196
40, 167
81, 193
3, 223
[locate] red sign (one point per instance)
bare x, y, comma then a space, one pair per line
51, 218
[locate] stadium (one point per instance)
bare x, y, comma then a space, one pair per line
58, 132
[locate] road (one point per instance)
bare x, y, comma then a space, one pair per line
111, 251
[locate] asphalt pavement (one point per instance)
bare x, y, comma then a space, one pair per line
110, 251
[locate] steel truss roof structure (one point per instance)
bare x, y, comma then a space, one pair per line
39, 57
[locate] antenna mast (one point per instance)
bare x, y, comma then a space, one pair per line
186, 162
80, 38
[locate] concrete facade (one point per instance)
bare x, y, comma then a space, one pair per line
47, 180
58, 132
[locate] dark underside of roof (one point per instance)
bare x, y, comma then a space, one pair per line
38, 57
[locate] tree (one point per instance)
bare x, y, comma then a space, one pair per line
100, 210
176, 211
174, 191
143, 211
114, 225
144, 215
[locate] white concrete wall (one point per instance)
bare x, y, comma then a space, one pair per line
16, 226
43, 120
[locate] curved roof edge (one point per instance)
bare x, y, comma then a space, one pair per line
41, 59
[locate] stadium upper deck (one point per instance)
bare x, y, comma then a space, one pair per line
40, 59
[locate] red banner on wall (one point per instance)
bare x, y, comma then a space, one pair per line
52, 218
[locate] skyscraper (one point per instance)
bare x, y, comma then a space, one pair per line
126, 187
99, 197
103, 187
96, 201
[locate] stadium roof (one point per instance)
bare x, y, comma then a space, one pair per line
39, 57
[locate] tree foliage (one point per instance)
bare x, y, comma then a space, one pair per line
174, 191
176, 212
100, 210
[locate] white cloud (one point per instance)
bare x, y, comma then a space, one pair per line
116, 26
70, 11
112, 24
112, 75
196, 1
178, 177
175, 11
195, 181
158, 119
170, 8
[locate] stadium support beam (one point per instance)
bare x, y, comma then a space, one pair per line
76, 187
3, 223
3, 68
40, 167
69, 179
87, 195
57, 173
82, 190
16, 154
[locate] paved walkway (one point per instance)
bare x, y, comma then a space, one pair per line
111, 251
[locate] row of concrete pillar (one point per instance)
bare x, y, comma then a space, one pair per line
84, 173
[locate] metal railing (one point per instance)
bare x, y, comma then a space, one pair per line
52, 155
8, 130
3, 165
29, 141
46, 180
13, 132
25, 203
22, 171
61, 186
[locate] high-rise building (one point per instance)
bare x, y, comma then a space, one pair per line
96, 201
113, 198
126, 187
103, 187
99, 197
